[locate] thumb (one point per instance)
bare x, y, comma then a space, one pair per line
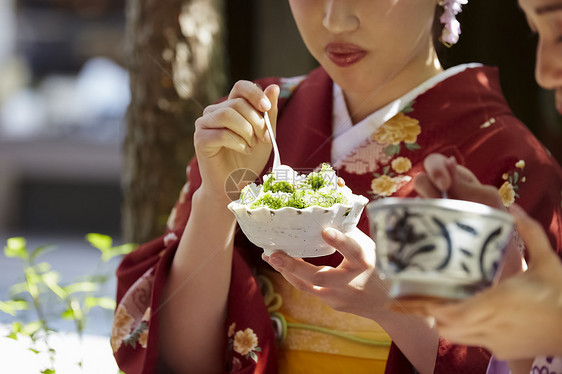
272, 93
532, 233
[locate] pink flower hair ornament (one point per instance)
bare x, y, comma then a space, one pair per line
452, 27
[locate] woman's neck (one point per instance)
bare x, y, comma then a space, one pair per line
361, 104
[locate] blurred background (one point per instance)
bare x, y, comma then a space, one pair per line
74, 159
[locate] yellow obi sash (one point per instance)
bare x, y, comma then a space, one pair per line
318, 339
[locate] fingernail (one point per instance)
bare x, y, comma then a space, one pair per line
258, 85
276, 261
332, 234
264, 105
440, 183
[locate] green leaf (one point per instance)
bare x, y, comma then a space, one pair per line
42, 267
408, 108
34, 350
15, 247
515, 177
254, 356
117, 251
385, 169
31, 328
68, 314
39, 251
510, 179
51, 280
99, 278
76, 309
16, 329
103, 302
48, 371
392, 149
32, 279
81, 287
12, 306
18, 288
412, 146
100, 241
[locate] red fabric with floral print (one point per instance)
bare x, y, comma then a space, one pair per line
464, 115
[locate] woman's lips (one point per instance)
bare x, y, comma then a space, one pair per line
344, 54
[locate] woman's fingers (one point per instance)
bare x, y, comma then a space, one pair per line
466, 186
467, 313
227, 119
235, 114
425, 188
299, 273
435, 166
272, 93
215, 139
356, 247
533, 235
252, 93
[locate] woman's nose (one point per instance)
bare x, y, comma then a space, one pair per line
548, 70
339, 17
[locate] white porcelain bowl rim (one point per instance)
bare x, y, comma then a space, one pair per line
356, 199
446, 204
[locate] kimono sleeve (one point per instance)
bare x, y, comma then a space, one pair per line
141, 278
508, 156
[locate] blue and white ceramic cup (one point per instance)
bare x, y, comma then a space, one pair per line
437, 248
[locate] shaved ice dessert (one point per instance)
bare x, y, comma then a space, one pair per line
289, 210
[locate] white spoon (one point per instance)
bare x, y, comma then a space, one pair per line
284, 171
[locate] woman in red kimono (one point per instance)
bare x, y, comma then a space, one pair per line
200, 299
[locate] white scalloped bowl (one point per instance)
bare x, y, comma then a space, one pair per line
297, 232
437, 248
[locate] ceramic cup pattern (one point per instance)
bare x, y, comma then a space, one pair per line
441, 248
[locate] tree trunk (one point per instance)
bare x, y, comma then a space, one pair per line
176, 54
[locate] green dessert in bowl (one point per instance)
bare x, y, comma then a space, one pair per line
289, 211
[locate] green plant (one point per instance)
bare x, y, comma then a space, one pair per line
72, 301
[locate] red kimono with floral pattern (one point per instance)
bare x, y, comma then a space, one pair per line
465, 115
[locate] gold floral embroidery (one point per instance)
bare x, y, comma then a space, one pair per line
507, 194
146, 315
231, 329
383, 185
508, 190
122, 323
143, 338
401, 164
400, 128
245, 341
